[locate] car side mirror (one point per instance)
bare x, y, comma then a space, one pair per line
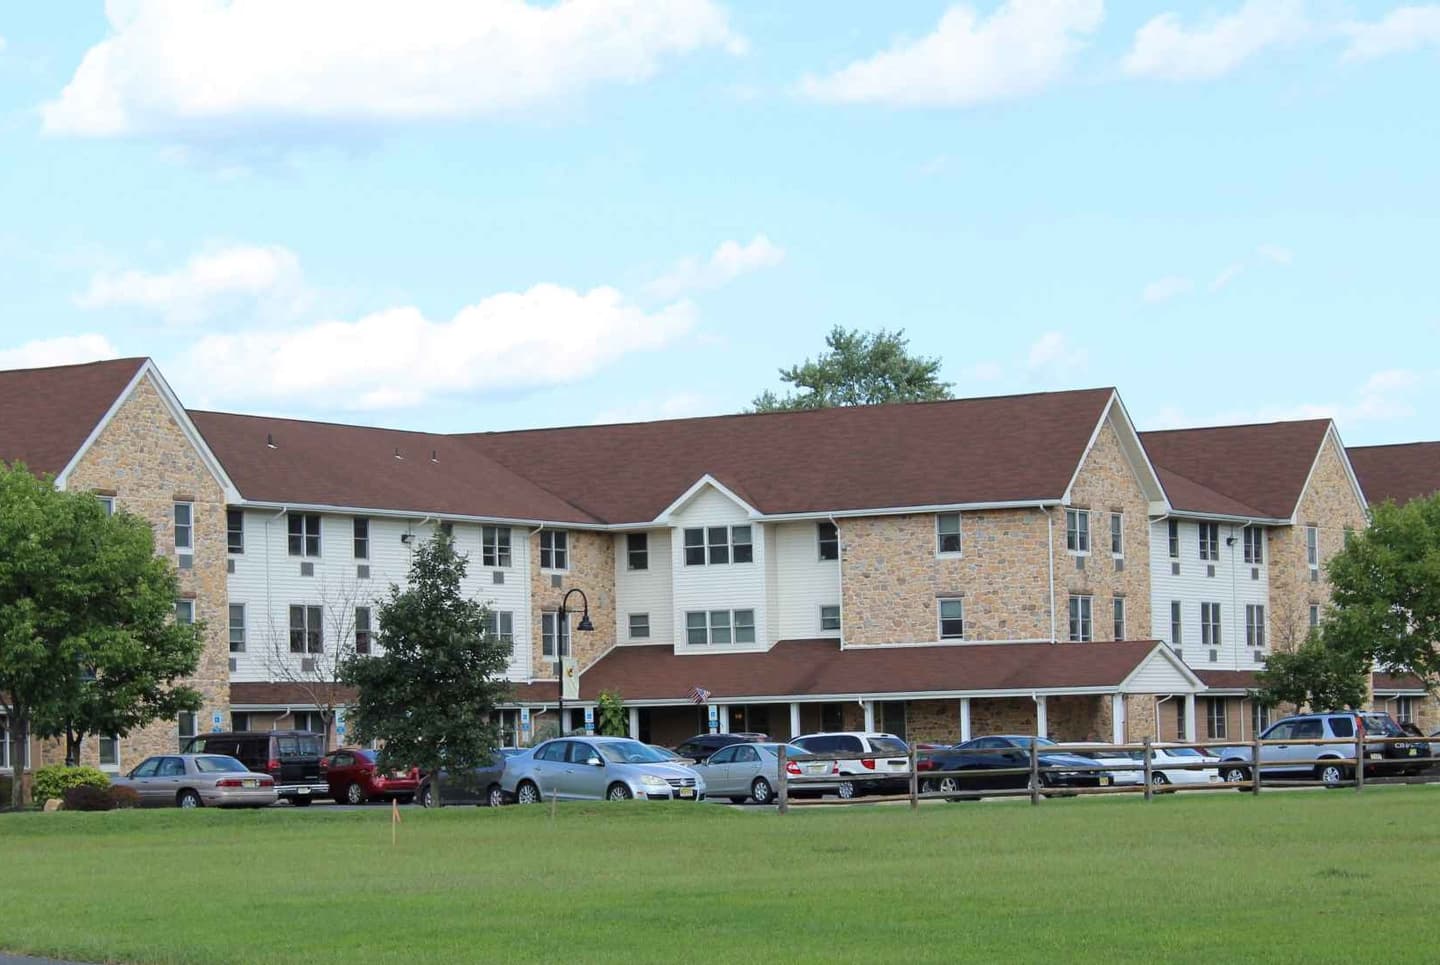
595, 762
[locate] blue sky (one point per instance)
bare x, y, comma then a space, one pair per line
505, 215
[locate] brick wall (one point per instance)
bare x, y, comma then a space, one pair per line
592, 570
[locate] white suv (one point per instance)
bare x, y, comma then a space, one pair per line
870, 774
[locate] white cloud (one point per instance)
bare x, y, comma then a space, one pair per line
1402, 30
207, 66
727, 262
1164, 47
981, 372
1052, 356
1164, 289
1275, 254
682, 405
512, 341
1021, 48
208, 284
1227, 274
1384, 396
65, 350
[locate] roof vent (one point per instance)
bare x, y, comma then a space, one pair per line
397, 453
434, 456
270, 441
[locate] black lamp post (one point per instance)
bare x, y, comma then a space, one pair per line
562, 620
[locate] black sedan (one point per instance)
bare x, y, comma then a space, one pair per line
479, 785
701, 746
979, 759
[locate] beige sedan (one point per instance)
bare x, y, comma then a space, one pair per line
198, 780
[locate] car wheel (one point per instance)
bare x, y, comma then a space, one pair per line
1330, 774
354, 794
618, 792
738, 800
300, 802
1158, 779
949, 785
847, 790
427, 796
927, 786
188, 799
761, 791
495, 797
1234, 775
527, 793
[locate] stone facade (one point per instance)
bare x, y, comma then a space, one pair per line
1107, 484
145, 461
592, 570
1141, 717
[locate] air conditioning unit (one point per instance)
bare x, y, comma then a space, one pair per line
1119, 564
307, 569
1174, 569
556, 580
1079, 562
1259, 656
1254, 572
1209, 569
229, 566
362, 571
234, 664
186, 561
497, 577
307, 665
1214, 656
1314, 576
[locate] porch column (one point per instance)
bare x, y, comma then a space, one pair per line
869, 714
634, 723
795, 719
1117, 718
1042, 724
1191, 733
724, 711
964, 718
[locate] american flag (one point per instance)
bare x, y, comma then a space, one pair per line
699, 695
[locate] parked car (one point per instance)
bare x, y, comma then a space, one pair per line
198, 780
871, 773
1421, 744
670, 755
290, 757
751, 771
977, 759
598, 768
1121, 764
1296, 760
353, 775
1164, 767
701, 746
479, 785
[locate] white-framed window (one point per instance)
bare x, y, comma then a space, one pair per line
1117, 607
1177, 623
1255, 624
639, 626
719, 627
1117, 535
548, 621
1259, 717
952, 619
1314, 615
107, 503
184, 526
5, 748
363, 630
1405, 710
495, 546
308, 720
718, 545
304, 534
554, 549
637, 551
1077, 531
235, 531
237, 628
1255, 545
110, 753
184, 611
827, 540
186, 727
830, 617
1312, 549
1209, 541
360, 537
1215, 723
501, 625
947, 534
1081, 629
307, 635
1172, 530
1210, 624
240, 720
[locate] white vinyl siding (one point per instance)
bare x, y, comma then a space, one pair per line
646, 591
803, 581
1236, 585
732, 586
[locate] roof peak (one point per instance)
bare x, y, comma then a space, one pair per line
1241, 425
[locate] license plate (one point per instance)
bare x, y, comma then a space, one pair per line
250, 783
1104, 781
1414, 752
897, 763
303, 791
1373, 756
687, 792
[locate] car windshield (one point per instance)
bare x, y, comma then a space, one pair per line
791, 750
1380, 725
888, 745
1025, 742
299, 745
213, 765
629, 752
367, 756
1186, 752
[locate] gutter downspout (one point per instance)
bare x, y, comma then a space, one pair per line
840, 579
269, 604
1050, 543
1238, 536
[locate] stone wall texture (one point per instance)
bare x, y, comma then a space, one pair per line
145, 460
592, 570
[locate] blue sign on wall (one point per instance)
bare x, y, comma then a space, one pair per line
589, 720
215, 725
714, 719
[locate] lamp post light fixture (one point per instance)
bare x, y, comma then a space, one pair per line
562, 619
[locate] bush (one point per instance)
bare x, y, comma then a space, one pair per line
87, 797
55, 780
124, 797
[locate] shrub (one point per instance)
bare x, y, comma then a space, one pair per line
613, 720
87, 797
124, 797
55, 780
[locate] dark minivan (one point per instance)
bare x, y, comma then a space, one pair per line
291, 757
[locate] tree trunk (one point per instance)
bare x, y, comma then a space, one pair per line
19, 737
439, 798
72, 748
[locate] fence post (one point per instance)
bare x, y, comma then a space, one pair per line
914, 782
1360, 755
1149, 769
782, 782
1034, 773
1255, 765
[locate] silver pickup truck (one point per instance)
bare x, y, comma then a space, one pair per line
1303, 760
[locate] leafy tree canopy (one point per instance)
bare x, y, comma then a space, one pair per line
859, 369
1316, 674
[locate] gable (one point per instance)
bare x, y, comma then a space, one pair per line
1161, 672
47, 415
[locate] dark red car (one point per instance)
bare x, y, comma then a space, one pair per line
355, 777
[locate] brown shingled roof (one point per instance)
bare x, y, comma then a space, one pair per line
1002, 449
1400, 473
1228, 679
47, 414
285, 694
821, 668
1255, 470
1391, 682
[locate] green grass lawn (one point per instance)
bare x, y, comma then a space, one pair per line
1303, 877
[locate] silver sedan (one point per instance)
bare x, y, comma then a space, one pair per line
198, 780
598, 768
752, 772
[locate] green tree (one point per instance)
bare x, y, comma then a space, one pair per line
859, 368
428, 696
87, 639
1319, 673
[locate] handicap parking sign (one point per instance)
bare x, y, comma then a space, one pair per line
215, 719
589, 720
714, 719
